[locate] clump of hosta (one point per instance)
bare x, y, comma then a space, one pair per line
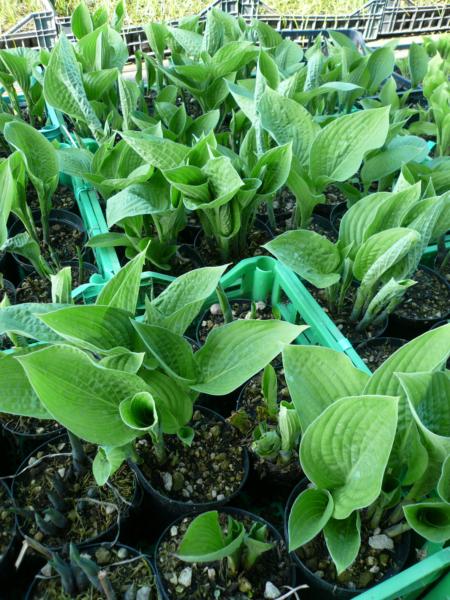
374, 447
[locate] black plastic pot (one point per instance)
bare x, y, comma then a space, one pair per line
10, 290
227, 510
188, 234
20, 445
93, 547
107, 535
168, 509
57, 216
394, 342
336, 215
409, 328
329, 590
7, 560
88, 268
324, 224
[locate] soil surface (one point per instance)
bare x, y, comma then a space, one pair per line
28, 425
368, 569
375, 354
334, 195
210, 469
241, 309
283, 207
252, 411
88, 510
214, 579
428, 299
62, 198
35, 288
6, 521
123, 568
323, 228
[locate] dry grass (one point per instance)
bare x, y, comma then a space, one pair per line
142, 11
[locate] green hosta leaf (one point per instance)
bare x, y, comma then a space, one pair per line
139, 412
311, 511
339, 148
382, 251
62, 286
92, 394
287, 121
431, 520
401, 150
235, 352
158, 152
204, 540
317, 377
182, 300
443, 487
425, 353
103, 48
173, 401
129, 93
418, 63
63, 86
380, 66
309, 254
39, 157
138, 199
231, 57
346, 449
245, 99
17, 397
190, 41
81, 22
374, 213
427, 395
343, 539
122, 359
122, 291
273, 169
23, 319
172, 351
107, 460
96, 328
98, 83
75, 162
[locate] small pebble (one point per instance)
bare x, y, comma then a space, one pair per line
211, 574
122, 553
173, 531
271, 592
185, 577
215, 309
167, 481
102, 556
381, 542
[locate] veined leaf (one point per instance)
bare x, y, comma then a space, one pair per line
343, 539
17, 397
431, 520
122, 291
311, 511
158, 152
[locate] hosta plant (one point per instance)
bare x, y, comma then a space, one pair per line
381, 241
374, 447
146, 374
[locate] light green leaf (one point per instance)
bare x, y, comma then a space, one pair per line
204, 540
96, 328
339, 148
81, 22
23, 319
401, 150
62, 286
431, 520
343, 539
418, 63
317, 377
139, 412
122, 291
360, 430
92, 394
311, 511
158, 152
237, 351
17, 397
309, 254
121, 359
107, 460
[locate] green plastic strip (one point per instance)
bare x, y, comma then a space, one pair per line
412, 582
430, 253
89, 205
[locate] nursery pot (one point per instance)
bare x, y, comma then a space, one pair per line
132, 552
323, 225
325, 589
109, 534
167, 508
410, 327
88, 268
371, 345
8, 557
57, 216
227, 510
